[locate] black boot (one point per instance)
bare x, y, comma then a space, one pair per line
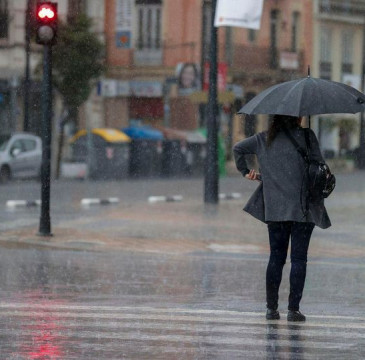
295, 316
272, 314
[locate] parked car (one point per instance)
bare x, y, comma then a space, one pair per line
20, 156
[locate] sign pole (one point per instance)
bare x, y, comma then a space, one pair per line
211, 180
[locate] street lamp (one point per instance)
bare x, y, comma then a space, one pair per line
361, 153
211, 179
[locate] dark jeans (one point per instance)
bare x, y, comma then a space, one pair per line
279, 235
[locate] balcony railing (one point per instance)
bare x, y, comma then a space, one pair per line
258, 59
341, 7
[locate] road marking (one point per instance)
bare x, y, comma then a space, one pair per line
172, 315
51, 307
137, 330
88, 202
173, 198
22, 203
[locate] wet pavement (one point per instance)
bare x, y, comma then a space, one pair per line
172, 280
93, 305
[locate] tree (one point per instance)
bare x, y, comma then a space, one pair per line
77, 60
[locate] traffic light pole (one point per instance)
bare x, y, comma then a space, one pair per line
45, 219
27, 81
211, 178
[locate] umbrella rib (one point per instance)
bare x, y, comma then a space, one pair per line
273, 88
301, 96
343, 88
268, 93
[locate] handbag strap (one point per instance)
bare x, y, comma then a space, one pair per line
305, 155
300, 150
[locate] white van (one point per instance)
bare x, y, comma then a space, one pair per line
20, 156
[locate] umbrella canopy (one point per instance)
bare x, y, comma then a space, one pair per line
307, 96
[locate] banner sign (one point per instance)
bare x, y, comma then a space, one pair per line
221, 79
113, 88
240, 13
123, 23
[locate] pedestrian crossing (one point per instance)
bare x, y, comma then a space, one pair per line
53, 329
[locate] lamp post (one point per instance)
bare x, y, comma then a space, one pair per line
211, 179
361, 152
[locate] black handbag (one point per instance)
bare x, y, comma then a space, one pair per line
319, 179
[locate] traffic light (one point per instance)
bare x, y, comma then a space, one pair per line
46, 23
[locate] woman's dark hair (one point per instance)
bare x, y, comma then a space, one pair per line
279, 122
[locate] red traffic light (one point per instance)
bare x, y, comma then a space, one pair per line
46, 11
46, 22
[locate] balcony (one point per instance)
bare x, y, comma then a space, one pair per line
340, 7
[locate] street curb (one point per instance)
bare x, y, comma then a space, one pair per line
173, 198
108, 201
230, 196
22, 203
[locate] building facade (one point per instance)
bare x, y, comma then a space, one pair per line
157, 59
151, 44
338, 46
13, 60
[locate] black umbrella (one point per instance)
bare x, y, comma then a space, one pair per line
307, 96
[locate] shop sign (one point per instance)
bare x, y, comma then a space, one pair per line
107, 88
146, 88
123, 88
113, 88
289, 60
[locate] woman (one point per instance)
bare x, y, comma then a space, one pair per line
189, 76
279, 201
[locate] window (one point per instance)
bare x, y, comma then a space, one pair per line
4, 19
149, 24
17, 145
347, 51
29, 144
274, 27
252, 35
148, 32
325, 66
295, 31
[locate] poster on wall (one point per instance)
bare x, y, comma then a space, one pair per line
221, 78
123, 23
188, 78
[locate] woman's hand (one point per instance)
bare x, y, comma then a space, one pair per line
253, 175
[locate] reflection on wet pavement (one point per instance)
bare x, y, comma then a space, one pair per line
81, 305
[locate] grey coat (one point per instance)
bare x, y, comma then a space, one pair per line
278, 198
